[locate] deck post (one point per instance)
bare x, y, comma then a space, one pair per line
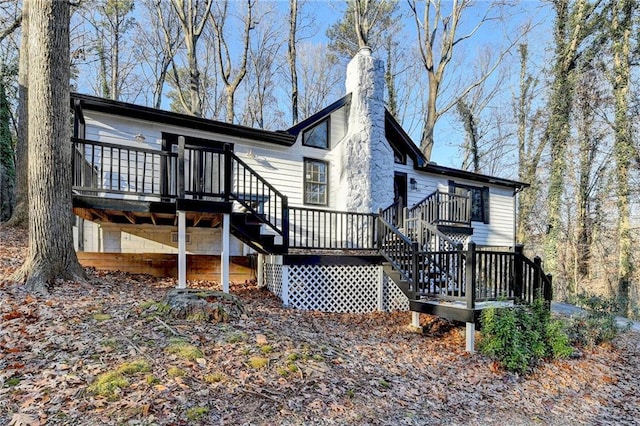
182, 249
224, 258
415, 320
518, 274
285, 285
470, 278
260, 270
380, 288
470, 337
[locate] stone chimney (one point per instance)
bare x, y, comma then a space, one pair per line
366, 176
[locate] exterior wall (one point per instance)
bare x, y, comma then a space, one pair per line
113, 238
500, 229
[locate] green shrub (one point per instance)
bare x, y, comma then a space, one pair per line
520, 337
597, 323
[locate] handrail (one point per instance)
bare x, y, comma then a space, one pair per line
399, 250
122, 169
425, 231
331, 229
443, 208
392, 213
257, 195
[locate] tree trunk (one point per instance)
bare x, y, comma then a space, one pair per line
621, 26
293, 19
51, 255
20, 215
7, 166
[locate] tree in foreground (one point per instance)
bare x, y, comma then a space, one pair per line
51, 255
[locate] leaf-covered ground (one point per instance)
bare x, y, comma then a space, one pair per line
272, 366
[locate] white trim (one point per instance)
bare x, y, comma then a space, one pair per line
224, 259
182, 249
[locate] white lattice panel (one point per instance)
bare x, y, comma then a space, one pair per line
334, 288
393, 299
273, 278
458, 238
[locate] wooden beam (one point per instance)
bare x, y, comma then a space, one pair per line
215, 221
197, 218
130, 216
153, 218
101, 215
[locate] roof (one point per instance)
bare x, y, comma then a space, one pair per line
295, 130
94, 103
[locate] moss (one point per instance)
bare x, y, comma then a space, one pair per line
197, 317
292, 367
318, 357
101, 316
150, 379
14, 381
266, 349
184, 350
197, 413
175, 372
283, 371
384, 383
236, 337
293, 357
138, 366
109, 384
214, 378
258, 362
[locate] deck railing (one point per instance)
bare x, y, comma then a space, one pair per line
331, 230
443, 208
102, 167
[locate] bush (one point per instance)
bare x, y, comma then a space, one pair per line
520, 337
597, 324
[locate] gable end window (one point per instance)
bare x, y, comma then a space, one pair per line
316, 182
318, 135
479, 200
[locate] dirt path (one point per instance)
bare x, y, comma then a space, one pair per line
320, 368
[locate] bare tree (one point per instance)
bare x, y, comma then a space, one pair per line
111, 21
159, 41
438, 37
231, 75
291, 58
51, 254
20, 214
193, 16
321, 78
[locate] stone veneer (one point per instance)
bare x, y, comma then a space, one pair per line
366, 175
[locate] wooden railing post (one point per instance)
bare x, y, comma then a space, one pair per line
537, 278
228, 173
285, 224
415, 264
180, 176
548, 290
470, 279
518, 272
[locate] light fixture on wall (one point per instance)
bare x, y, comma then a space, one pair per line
413, 184
139, 137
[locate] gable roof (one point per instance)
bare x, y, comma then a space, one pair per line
94, 103
295, 130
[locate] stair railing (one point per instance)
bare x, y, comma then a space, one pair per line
399, 250
256, 195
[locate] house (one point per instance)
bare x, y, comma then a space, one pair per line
339, 213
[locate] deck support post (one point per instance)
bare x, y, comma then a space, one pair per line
285, 285
182, 249
380, 288
415, 319
224, 259
470, 337
260, 270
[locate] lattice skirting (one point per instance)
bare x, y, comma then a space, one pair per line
334, 288
273, 278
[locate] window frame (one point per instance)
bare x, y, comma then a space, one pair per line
326, 121
484, 197
305, 181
